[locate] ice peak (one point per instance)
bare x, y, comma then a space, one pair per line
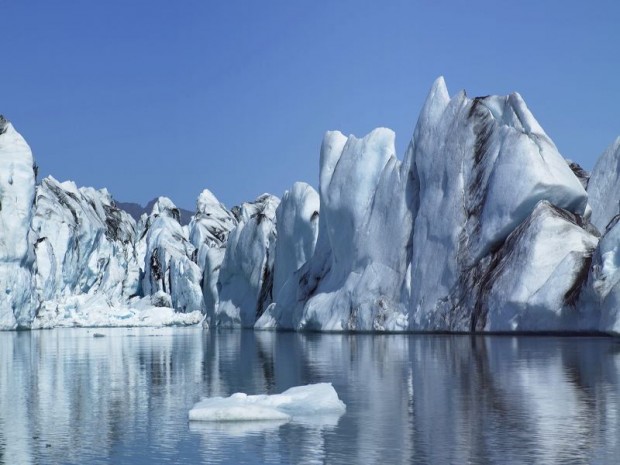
165, 207
206, 201
300, 186
525, 116
436, 102
437, 99
439, 87
511, 111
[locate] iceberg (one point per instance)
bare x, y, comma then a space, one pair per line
299, 401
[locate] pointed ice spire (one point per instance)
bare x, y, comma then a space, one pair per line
436, 102
165, 207
207, 201
524, 115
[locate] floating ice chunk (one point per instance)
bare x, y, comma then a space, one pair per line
299, 401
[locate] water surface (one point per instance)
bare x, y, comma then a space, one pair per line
70, 398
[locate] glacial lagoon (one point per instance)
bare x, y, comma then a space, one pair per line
67, 397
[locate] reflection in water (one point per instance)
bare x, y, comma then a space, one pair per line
67, 397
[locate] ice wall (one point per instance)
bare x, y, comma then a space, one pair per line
482, 226
18, 303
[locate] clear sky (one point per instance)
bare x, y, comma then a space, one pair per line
161, 97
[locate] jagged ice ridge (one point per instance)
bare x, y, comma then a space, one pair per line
482, 226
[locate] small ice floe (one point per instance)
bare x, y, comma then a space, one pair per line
300, 402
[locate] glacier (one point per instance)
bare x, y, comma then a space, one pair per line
481, 226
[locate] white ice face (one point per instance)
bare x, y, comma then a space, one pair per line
483, 165
535, 280
208, 233
210, 226
246, 275
297, 227
602, 293
86, 262
604, 187
84, 244
17, 184
90, 256
168, 260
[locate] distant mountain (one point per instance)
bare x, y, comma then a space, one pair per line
136, 210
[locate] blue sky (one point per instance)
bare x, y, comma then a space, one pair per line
160, 97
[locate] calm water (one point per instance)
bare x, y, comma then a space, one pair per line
68, 397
